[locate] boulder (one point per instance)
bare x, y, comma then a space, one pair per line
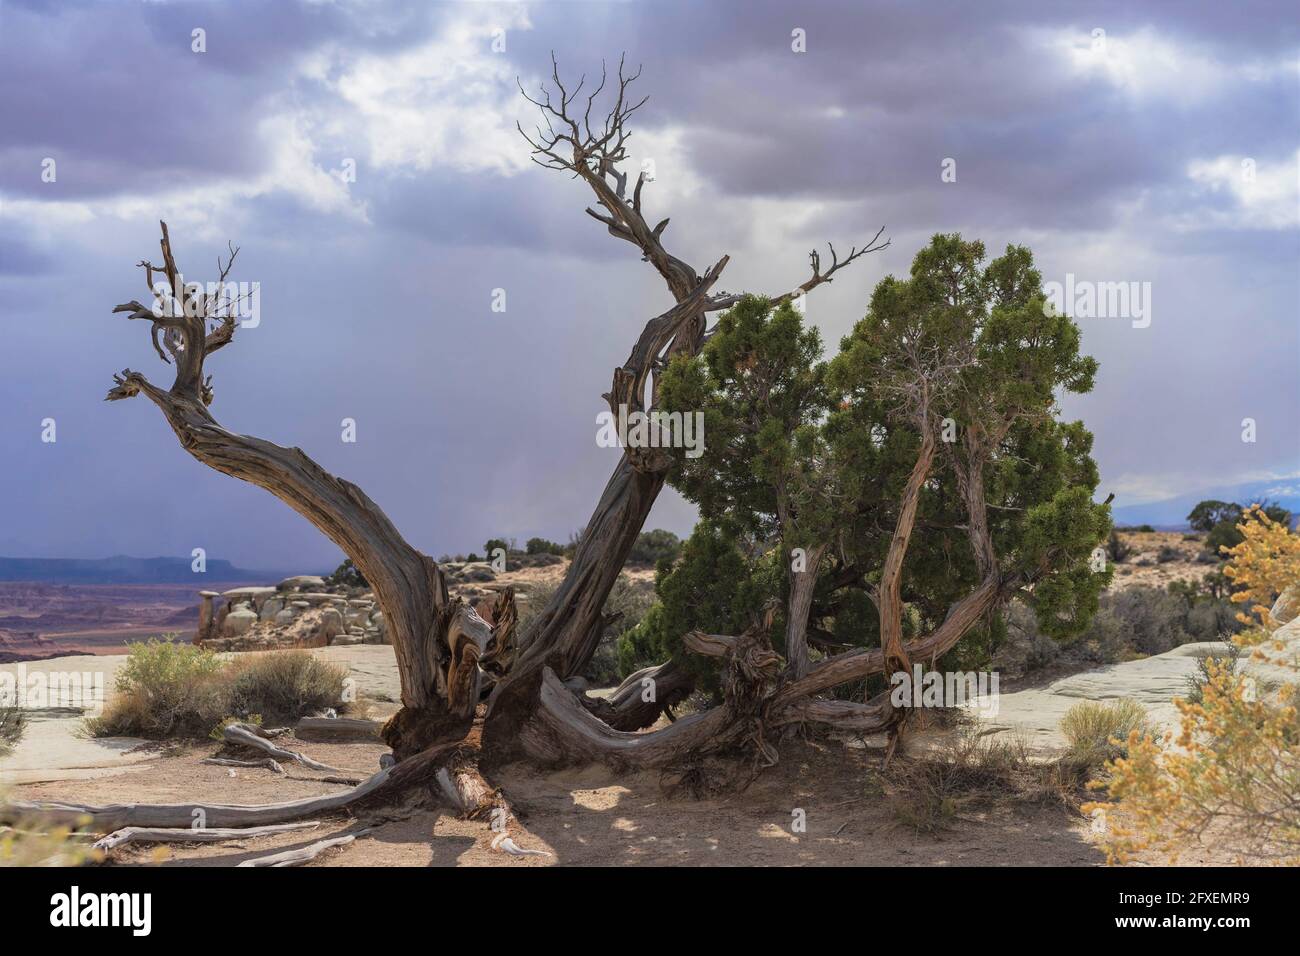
270, 608
285, 617
300, 582
316, 597
1287, 606
478, 573
238, 621
246, 594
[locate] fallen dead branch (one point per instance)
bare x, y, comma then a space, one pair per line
245, 736
304, 854
411, 772
269, 763
332, 728
187, 835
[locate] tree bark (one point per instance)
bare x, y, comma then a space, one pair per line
638, 701
890, 595
802, 585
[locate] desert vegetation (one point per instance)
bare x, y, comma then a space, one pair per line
1233, 769
907, 497
168, 690
13, 721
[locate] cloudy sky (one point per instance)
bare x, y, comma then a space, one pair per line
1156, 146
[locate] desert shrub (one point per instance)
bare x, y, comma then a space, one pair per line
534, 602
968, 771
1263, 564
13, 721
1235, 772
651, 547
1166, 554
542, 546
164, 689
1117, 549
627, 605
1207, 666
1042, 652
282, 685
32, 841
177, 690
1146, 620
347, 575
1098, 732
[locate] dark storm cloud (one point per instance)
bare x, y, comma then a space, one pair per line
376, 299
115, 94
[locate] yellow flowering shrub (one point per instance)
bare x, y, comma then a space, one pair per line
1262, 565
1232, 772
33, 842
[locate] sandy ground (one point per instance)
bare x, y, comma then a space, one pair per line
596, 817
1144, 567
591, 816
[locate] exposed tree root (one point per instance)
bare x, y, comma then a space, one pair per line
638, 701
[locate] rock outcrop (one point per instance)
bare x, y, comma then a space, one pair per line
305, 611
301, 611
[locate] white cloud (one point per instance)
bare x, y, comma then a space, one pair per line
451, 102
206, 211
1266, 194
1148, 65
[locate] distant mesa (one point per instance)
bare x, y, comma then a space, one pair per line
1170, 514
121, 569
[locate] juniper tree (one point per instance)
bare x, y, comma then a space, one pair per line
925, 461
466, 679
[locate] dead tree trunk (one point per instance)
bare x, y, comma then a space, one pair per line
447, 655
437, 641
564, 637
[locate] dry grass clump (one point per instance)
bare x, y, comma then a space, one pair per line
1099, 732
178, 690
972, 772
12, 724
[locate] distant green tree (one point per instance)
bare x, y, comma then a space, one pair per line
493, 543
1219, 520
651, 547
542, 546
347, 575
1211, 512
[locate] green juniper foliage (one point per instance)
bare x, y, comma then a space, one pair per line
813, 454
